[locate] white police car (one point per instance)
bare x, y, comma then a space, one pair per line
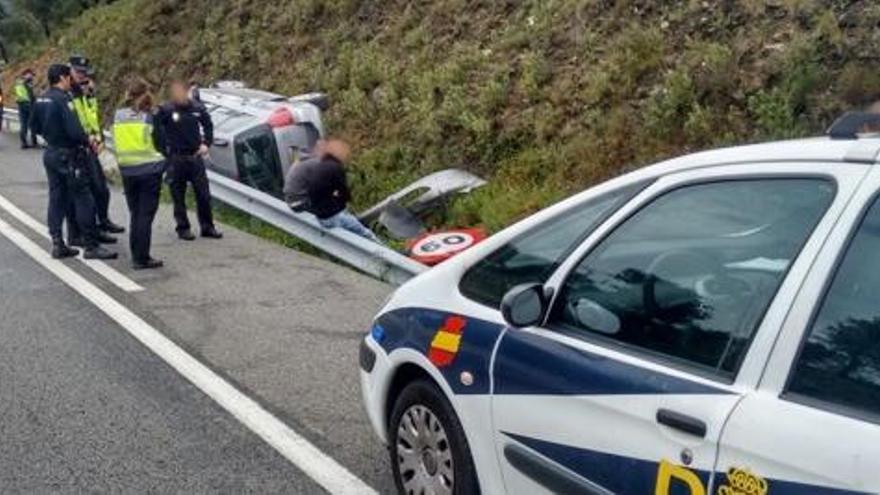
710, 324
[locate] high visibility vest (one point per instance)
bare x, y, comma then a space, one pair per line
22, 95
133, 139
86, 109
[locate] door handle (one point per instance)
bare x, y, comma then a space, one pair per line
682, 422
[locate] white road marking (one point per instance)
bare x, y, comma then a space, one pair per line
335, 478
101, 268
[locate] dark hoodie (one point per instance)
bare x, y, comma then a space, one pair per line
319, 186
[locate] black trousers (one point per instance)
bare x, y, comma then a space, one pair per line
70, 197
142, 196
24, 122
100, 191
190, 169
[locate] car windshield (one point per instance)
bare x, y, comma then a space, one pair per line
258, 162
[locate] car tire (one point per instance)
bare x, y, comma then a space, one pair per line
421, 460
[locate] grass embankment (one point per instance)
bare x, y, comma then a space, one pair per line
542, 97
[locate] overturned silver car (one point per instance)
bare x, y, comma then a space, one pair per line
258, 134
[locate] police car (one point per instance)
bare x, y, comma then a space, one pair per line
710, 324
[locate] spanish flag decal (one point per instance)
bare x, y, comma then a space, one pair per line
446, 342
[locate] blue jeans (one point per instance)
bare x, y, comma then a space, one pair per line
345, 220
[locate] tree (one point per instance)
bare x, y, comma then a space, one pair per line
50, 14
24, 23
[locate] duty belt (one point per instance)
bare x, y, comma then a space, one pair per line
183, 156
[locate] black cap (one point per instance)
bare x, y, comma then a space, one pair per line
56, 72
82, 64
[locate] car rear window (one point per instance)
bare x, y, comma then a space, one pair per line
839, 362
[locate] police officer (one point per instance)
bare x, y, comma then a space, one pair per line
137, 144
67, 166
24, 97
85, 104
188, 131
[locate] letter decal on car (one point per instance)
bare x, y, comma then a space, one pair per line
667, 471
446, 342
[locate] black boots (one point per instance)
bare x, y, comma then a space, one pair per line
105, 238
209, 233
147, 265
212, 233
60, 250
111, 228
102, 238
99, 253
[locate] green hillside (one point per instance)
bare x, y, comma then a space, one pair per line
544, 97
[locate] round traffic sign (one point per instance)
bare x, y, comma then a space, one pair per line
434, 247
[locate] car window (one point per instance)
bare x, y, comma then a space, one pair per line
535, 255
839, 363
258, 163
689, 277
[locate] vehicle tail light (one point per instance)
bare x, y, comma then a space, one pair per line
281, 117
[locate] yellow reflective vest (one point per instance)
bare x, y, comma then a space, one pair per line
22, 95
86, 109
136, 152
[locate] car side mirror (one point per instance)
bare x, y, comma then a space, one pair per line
524, 305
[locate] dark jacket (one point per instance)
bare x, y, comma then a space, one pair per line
319, 185
183, 128
53, 118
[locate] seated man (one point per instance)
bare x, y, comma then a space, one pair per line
318, 185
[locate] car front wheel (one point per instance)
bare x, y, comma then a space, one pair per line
429, 452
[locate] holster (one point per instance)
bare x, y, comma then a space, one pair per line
169, 171
177, 164
77, 164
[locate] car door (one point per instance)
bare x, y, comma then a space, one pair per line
660, 322
813, 425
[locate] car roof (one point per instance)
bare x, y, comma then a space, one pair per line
863, 150
817, 149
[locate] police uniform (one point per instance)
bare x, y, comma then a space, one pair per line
183, 129
85, 105
141, 166
67, 170
24, 98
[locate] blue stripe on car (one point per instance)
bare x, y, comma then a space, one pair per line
526, 363
530, 364
414, 328
605, 469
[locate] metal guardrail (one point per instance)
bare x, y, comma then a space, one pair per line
363, 254
9, 115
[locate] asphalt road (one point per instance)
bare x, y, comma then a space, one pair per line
85, 407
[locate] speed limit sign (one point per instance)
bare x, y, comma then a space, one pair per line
434, 247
